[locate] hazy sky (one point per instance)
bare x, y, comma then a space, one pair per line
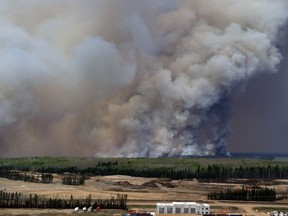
260, 120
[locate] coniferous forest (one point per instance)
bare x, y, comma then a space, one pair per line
6, 172
209, 173
19, 200
245, 194
73, 180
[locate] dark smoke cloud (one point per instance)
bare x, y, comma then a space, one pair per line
129, 78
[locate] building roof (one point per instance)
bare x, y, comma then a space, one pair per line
164, 204
183, 203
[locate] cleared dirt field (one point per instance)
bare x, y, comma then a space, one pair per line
143, 193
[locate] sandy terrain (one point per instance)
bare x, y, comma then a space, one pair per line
143, 193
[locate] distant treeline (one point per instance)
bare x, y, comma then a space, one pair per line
6, 172
74, 180
40, 178
246, 194
18, 200
210, 172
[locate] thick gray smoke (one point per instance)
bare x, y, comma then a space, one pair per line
126, 77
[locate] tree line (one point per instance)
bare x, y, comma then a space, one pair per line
73, 180
210, 172
23, 176
245, 194
40, 178
18, 200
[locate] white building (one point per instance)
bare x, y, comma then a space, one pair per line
182, 208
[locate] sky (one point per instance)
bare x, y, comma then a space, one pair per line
126, 78
260, 119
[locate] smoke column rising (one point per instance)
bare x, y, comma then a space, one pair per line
129, 78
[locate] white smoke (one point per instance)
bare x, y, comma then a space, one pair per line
129, 78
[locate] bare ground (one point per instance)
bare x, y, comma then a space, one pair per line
143, 193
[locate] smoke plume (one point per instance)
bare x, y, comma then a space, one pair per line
129, 78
